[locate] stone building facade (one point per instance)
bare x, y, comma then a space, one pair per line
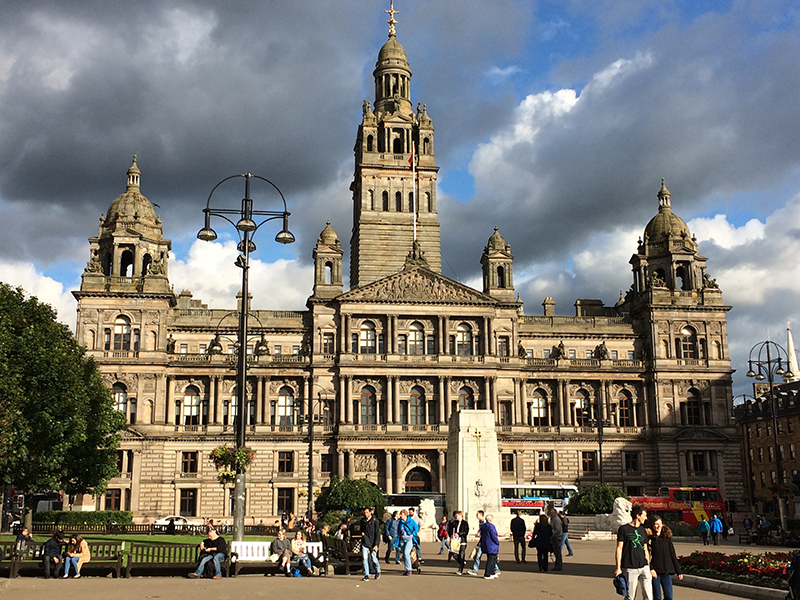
382, 366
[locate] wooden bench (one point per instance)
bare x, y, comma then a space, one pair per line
104, 554
258, 553
342, 553
160, 556
746, 539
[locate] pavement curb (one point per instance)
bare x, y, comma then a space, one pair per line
730, 588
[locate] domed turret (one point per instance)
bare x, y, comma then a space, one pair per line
666, 222
498, 274
328, 236
327, 264
131, 206
496, 242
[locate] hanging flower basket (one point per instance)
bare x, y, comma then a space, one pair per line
232, 459
225, 477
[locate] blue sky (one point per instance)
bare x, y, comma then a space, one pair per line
555, 121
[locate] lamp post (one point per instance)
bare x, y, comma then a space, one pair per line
312, 418
743, 411
599, 422
768, 360
245, 227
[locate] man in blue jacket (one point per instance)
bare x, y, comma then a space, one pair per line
490, 544
716, 529
407, 530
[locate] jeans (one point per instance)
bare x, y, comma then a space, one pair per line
477, 564
418, 549
565, 540
445, 545
555, 543
217, 557
71, 560
519, 542
662, 581
389, 548
542, 558
638, 577
52, 568
368, 555
406, 546
715, 537
460, 557
491, 565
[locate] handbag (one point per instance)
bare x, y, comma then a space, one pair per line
455, 544
730, 530
474, 553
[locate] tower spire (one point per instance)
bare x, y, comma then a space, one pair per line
392, 22
791, 355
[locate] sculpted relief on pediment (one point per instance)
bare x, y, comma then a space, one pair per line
417, 285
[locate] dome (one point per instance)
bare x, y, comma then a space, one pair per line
328, 236
132, 203
392, 53
666, 222
496, 242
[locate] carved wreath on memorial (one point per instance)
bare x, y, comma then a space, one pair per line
230, 459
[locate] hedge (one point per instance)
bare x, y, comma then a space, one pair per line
94, 517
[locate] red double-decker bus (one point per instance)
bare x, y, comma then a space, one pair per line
687, 504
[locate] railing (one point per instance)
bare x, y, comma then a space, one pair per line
587, 321
286, 314
369, 427
191, 428
195, 312
420, 428
189, 475
192, 358
120, 354
467, 358
584, 362
540, 429
691, 362
541, 362
419, 358
289, 358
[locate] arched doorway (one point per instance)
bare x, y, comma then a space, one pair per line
418, 480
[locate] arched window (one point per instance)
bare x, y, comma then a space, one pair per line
146, 261
120, 394
398, 201
370, 142
411, 202
367, 338
693, 410
369, 406
191, 406
126, 264
429, 201
686, 343
122, 333
464, 340
539, 413
416, 339
397, 145
371, 195
418, 480
285, 406
108, 264
416, 406
582, 415
328, 272
682, 274
625, 409
426, 146
501, 277
466, 399
385, 199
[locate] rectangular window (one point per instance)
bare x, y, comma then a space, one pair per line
354, 343
546, 353
136, 339
402, 344
698, 461
630, 354
286, 462
589, 462
507, 463
505, 413
127, 499
792, 452
773, 477
758, 431
326, 463
188, 506
189, 462
184, 348
249, 349
452, 344
614, 355
572, 354
763, 479
789, 425
120, 460
546, 461
203, 349
502, 346
107, 342
113, 499
761, 455
327, 343
285, 500
381, 344
277, 350
632, 462
296, 350
231, 349
771, 454
589, 354
430, 342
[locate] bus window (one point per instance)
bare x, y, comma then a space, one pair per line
681, 495
714, 496
699, 496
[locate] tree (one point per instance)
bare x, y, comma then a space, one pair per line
59, 429
594, 500
350, 494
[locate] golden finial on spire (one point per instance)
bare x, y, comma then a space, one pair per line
392, 22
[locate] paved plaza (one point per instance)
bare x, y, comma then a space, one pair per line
588, 574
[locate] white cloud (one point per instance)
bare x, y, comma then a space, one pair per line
44, 288
721, 232
502, 73
209, 273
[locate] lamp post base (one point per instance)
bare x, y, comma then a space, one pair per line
238, 507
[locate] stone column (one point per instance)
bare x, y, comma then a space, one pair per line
486, 394
213, 399
682, 468
566, 418
523, 395
493, 397
169, 409
447, 401
351, 466
136, 475
441, 401
517, 417
393, 340
396, 398
348, 405
342, 415
399, 488
389, 474
340, 462
390, 417
442, 472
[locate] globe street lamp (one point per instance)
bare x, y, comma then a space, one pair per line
767, 360
246, 227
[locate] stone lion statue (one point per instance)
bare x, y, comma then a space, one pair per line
427, 520
620, 515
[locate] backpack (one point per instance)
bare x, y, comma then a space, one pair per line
704, 527
442, 531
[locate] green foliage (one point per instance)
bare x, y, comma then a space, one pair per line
231, 460
682, 530
350, 495
594, 500
332, 518
792, 523
93, 517
58, 425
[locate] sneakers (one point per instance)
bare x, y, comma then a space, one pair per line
377, 576
471, 572
217, 577
459, 573
192, 575
491, 576
78, 576
366, 578
406, 573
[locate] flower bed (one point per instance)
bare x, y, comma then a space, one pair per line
764, 570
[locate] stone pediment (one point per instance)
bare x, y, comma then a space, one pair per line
417, 285
700, 433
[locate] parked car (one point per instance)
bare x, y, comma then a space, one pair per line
180, 522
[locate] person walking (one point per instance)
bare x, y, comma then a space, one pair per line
490, 544
458, 540
555, 540
541, 539
632, 555
478, 551
704, 528
716, 529
390, 533
565, 535
370, 541
412, 515
518, 531
406, 532
444, 535
664, 562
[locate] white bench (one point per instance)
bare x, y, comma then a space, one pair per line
258, 552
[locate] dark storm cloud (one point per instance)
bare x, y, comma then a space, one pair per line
716, 118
